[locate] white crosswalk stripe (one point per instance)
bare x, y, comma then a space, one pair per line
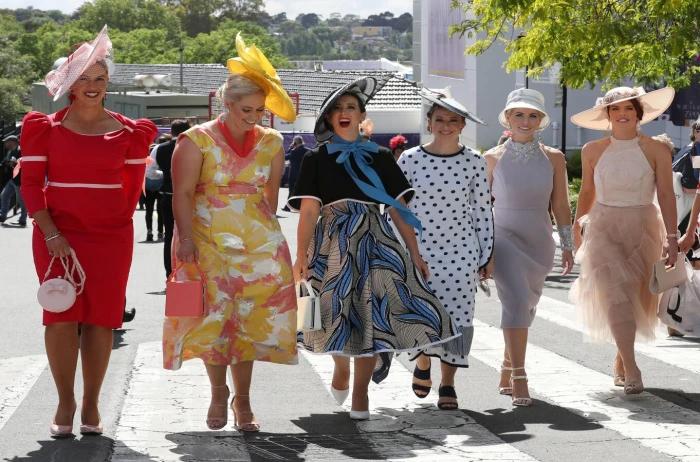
589, 393
163, 413
160, 403
393, 408
662, 349
16, 380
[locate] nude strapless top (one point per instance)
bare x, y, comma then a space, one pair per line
623, 176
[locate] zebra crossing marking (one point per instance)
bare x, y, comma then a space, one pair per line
647, 419
393, 408
662, 349
19, 374
164, 413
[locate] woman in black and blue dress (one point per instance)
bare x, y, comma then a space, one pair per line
374, 296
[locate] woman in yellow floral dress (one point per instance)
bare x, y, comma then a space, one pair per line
226, 177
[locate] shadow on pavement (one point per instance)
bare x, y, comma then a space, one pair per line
508, 424
82, 449
641, 407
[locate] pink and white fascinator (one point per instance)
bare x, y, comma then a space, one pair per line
59, 80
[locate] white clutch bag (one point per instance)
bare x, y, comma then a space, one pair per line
58, 294
308, 307
663, 278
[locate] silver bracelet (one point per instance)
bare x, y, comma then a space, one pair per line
566, 240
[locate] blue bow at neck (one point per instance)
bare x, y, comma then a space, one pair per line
362, 152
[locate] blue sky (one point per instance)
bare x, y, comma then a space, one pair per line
291, 7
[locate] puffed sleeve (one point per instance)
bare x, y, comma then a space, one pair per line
395, 182
34, 145
143, 132
307, 185
480, 208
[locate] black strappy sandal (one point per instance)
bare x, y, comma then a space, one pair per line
447, 392
419, 390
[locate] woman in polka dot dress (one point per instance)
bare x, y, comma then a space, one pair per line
453, 203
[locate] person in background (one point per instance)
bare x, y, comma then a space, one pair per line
82, 173
295, 155
397, 145
161, 156
12, 188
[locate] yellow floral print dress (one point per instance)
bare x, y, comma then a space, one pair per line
250, 302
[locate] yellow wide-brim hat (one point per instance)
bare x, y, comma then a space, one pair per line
252, 63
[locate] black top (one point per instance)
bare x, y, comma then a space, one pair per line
324, 179
295, 156
164, 156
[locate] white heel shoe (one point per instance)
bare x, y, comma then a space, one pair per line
359, 415
340, 395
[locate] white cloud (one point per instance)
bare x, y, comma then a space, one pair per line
67, 6
292, 7
362, 8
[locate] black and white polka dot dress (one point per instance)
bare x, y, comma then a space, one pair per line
453, 202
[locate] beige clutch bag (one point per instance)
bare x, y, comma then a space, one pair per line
663, 278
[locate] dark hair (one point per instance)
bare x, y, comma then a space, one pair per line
359, 101
637, 108
178, 126
436, 106
694, 126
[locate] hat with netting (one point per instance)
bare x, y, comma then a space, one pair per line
59, 80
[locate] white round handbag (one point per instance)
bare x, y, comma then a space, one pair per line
58, 294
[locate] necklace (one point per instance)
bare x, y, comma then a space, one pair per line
524, 151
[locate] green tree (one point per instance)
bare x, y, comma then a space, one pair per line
219, 45
11, 92
145, 46
50, 42
648, 41
128, 15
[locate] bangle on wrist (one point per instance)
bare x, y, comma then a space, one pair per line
53, 235
185, 239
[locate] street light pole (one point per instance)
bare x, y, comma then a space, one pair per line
563, 119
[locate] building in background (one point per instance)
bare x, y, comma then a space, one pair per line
481, 82
148, 90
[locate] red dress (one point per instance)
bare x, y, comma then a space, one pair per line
90, 185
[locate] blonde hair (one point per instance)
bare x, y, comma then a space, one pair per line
665, 139
235, 87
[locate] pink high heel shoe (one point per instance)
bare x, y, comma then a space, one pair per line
62, 431
86, 429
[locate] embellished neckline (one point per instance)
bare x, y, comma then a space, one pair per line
523, 152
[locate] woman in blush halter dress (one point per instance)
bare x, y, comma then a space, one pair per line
623, 232
526, 177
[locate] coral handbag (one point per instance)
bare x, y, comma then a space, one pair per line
184, 298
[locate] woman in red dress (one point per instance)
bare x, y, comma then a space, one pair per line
81, 179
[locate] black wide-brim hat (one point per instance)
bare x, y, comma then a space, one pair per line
363, 89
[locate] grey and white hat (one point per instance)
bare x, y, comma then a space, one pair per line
443, 98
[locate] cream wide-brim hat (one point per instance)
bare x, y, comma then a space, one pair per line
525, 98
654, 104
59, 80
